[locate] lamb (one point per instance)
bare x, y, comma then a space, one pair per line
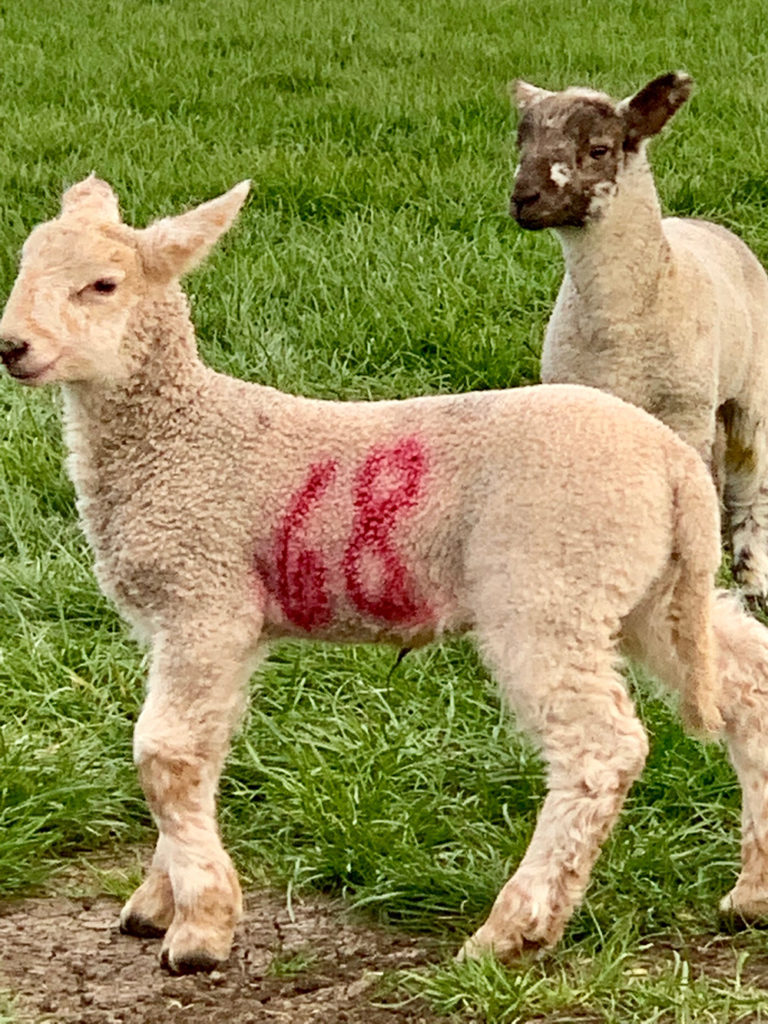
670, 314
553, 523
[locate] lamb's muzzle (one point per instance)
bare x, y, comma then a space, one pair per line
12, 351
522, 203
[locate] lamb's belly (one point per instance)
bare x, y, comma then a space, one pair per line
352, 630
358, 600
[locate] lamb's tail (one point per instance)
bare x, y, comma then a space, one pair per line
697, 551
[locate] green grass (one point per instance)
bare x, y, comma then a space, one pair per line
375, 258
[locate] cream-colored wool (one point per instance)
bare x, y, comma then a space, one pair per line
670, 314
550, 522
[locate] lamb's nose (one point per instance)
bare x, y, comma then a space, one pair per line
12, 350
520, 199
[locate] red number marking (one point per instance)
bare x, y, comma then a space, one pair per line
387, 485
301, 573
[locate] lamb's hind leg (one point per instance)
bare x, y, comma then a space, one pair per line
196, 687
595, 746
742, 646
746, 504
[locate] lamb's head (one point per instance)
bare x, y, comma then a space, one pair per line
84, 274
574, 145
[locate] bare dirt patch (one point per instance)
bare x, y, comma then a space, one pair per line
720, 956
67, 963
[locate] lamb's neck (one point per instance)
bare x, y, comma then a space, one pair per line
618, 258
163, 376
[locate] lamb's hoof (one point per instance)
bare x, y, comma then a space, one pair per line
142, 927
191, 948
506, 949
149, 912
196, 962
738, 915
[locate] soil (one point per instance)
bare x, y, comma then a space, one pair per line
67, 963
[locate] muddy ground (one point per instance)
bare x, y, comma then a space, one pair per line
67, 963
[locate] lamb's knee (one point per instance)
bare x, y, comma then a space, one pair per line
170, 770
177, 762
179, 791
599, 772
601, 752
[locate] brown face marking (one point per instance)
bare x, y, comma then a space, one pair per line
571, 149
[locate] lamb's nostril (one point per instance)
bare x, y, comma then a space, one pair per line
522, 199
12, 350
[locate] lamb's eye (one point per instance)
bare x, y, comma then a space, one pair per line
104, 286
598, 151
101, 286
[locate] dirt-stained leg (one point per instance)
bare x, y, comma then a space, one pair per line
149, 911
197, 679
746, 502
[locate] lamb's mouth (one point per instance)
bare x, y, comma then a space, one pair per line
31, 376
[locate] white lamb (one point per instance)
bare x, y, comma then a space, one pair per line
670, 314
551, 522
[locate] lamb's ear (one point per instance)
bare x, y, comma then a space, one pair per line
523, 94
174, 245
648, 110
94, 196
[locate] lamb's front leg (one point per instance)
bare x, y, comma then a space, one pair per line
196, 686
149, 911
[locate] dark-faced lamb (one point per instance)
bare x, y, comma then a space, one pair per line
553, 523
670, 314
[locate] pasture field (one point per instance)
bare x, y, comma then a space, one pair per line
374, 259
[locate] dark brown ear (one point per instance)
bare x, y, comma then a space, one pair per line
648, 111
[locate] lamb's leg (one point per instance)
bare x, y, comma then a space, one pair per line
748, 900
746, 504
196, 686
748, 518
595, 747
149, 911
743, 665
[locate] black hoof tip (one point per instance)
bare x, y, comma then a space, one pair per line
141, 927
192, 963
